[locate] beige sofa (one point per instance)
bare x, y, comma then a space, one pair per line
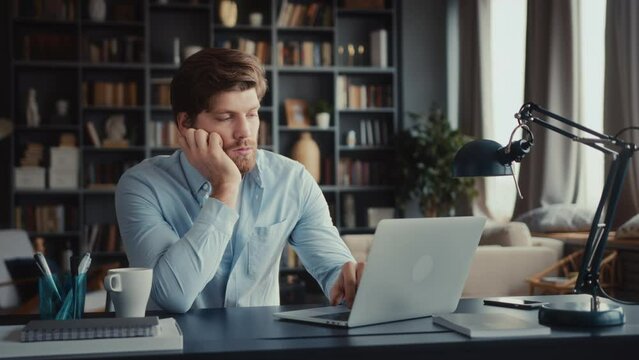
507, 255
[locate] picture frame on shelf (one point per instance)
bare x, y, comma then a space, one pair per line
297, 113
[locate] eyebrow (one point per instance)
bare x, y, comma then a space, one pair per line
229, 111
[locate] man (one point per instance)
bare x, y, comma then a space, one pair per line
213, 218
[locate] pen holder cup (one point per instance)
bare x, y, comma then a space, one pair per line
62, 300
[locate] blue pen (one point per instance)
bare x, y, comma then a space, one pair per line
42, 264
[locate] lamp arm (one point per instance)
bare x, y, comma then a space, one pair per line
527, 110
526, 115
588, 278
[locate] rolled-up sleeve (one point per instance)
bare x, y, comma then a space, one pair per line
315, 238
181, 266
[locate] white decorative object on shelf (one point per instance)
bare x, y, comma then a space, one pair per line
29, 177
228, 12
255, 19
176, 50
33, 113
323, 120
115, 130
349, 211
97, 10
351, 138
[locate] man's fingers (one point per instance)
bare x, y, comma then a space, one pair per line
189, 138
337, 292
359, 272
202, 140
350, 280
216, 139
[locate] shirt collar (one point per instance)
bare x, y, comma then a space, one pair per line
197, 182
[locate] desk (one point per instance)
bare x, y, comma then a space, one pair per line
628, 259
252, 333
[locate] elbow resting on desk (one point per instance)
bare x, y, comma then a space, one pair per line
171, 302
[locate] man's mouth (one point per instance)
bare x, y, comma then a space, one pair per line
242, 150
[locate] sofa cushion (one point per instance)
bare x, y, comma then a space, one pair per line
629, 229
509, 234
557, 218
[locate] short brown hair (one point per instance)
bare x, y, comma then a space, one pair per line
211, 71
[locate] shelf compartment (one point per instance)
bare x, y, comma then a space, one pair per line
186, 27
40, 79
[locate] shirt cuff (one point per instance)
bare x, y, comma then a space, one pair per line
215, 213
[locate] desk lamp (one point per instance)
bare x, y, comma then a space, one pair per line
488, 158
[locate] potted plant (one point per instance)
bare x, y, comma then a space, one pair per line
425, 157
322, 112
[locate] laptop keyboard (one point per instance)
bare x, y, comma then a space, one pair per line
342, 316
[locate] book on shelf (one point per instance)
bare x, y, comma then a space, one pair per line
485, 325
304, 13
264, 134
63, 10
103, 238
161, 91
163, 134
93, 134
93, 328
107, 93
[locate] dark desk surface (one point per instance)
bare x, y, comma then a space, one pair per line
252, 333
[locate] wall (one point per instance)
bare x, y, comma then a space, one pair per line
423, 62
5, 111
423, 54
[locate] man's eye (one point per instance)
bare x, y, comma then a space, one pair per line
225, 118
252, 115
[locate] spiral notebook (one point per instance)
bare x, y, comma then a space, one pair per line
91, 328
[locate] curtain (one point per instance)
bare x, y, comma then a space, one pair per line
472, 104
549, 174
621, 94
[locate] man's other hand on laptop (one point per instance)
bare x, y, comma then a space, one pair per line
347, 283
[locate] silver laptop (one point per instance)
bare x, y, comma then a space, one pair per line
415, 268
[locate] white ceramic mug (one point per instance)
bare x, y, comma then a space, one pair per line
130, 289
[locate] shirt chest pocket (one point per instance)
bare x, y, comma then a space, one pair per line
265, 247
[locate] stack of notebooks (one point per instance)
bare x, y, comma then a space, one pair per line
90, 336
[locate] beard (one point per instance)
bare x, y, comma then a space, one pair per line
244, 162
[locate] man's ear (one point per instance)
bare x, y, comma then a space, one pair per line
183, 122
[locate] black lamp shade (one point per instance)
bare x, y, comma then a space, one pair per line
480, 158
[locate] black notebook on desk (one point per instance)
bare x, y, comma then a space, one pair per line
91, 328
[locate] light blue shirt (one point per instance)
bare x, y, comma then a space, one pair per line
205, 254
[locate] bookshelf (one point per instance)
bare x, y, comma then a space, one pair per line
120, 66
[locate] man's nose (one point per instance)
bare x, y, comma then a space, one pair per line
242, 129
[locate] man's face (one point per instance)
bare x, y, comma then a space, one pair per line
233, 115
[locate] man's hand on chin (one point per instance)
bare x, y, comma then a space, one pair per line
347, 283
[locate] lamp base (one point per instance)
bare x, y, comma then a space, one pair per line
581, 314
